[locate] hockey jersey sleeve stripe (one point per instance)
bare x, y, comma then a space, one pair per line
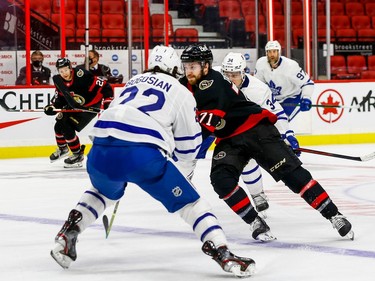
187, 137
188, 151
128, 128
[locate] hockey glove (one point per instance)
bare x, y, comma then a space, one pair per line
49, 110
290, 139
305, 104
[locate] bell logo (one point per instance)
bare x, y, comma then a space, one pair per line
10, 23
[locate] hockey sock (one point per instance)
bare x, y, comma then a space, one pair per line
240, 203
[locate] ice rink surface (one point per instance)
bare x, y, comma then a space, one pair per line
148, 243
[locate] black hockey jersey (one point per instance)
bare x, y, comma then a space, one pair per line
86, 89
222, 108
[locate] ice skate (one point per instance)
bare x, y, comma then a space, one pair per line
61, 152
64, 251
343, 226
75, 160
261, 203
239, 266
261, 231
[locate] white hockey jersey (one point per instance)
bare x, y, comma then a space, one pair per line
155, 109
258, 92
288, 80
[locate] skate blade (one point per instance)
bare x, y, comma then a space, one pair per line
236, 271
350, 235
266, 237
60, 158
63, 260
263, 214
73, 166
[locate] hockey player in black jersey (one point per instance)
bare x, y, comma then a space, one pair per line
244, 130
76, 88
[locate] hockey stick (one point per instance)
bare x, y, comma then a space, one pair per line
108, 226
364, 100
355, 158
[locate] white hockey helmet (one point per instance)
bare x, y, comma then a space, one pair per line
234, 62
273, 45
166, 59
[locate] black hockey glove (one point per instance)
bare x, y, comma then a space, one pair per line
50, 110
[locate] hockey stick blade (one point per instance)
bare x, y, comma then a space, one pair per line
364, 158
106, 225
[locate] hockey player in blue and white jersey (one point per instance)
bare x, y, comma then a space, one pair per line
234, 68
149, 136
291, 86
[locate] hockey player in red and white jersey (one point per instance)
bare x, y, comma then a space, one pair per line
75, 89
243, 131
234, 68
149, 136
291, 86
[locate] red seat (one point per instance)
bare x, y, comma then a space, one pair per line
70, 21
42, 7
322, 35
113, 7
115, 21
279, 35
94, 35
337, 9
371, 62
70, 6
368, 74
321, 7
94, 7
296, 21
361, 22
158, 35
346, 35
230, 9
366, 35
296, 8
297, 36
356, 64
250, 24
186, 35
137, 21
137, 7
340, 22
321, 22
278, 21
370, 9
338, 65
354, 9
157, 22
94, 21
277, 8
114, 34
248, 8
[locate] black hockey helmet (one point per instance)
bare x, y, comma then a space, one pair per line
197, 52
63, 62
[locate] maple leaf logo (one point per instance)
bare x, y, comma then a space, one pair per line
330, 102
276, 90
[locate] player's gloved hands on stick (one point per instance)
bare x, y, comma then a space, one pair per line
49, 110
305, 104
290, 139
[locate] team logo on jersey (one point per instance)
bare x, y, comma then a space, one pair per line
79, 99
205, 84
220, 125
220, 155
177, 191
80, 73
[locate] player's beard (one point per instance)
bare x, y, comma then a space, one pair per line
273, 61
194, 79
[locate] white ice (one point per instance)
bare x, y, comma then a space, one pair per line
147, 243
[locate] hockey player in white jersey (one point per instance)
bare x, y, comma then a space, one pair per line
149, 136
291, 86
234, 68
